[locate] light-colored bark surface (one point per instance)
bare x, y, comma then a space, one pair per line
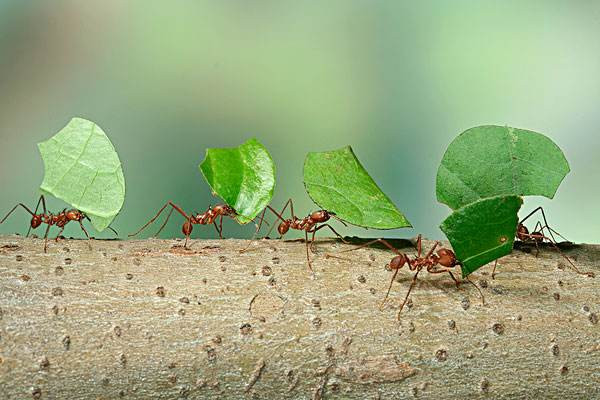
144, 319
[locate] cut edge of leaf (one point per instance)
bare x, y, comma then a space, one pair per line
439, 195
241, 219
349, 147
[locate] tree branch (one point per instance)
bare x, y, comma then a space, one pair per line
149, 319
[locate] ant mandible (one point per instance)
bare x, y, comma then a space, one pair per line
538, 237
60, 220
312, 223
443, 261
208, 217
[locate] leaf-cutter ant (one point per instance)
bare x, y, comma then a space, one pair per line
60, 220
312, 223
538, 236
443, 261
208, 217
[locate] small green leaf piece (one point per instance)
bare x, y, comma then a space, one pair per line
488, 161
337, 182
243, 176
83, 169
483, 231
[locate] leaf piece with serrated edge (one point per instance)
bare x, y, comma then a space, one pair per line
337, 182
483, 231
490, 160
243, 176
83, 169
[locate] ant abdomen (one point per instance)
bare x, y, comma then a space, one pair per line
522, 232
187, 228
398, 261
283, 227
36, 221
446, 258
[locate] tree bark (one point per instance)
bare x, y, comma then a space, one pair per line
150, 320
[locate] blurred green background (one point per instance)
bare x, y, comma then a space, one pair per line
397, 80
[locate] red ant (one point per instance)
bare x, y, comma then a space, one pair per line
60, 220
208, 217
538, 237
312, 223
444, 261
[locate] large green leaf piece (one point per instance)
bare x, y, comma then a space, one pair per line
83, 169
488, 161
337, 182
243, 176
483, 231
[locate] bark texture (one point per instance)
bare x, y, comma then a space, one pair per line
150, 320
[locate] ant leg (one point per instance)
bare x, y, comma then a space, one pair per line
456, 281
553, 244
541, 209
332, 230
46, 239
412, 284
164, 223
419, 245
494, 270
86, 234
262, 218
382, 241
113, 231
59, 233
307, 255
176, 207
14, 208
388, 290
280, 214
479, 290
430, 252
221, 227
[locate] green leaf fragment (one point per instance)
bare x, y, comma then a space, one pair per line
337, 182
83, 169
488, 161
243, 176
483, 231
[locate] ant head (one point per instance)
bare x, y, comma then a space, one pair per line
398, 261
223, 209
446, 258
36, 221
321, 216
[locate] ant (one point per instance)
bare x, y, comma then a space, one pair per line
312, 223
538, 237
60, 220
208, 217
443, 261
